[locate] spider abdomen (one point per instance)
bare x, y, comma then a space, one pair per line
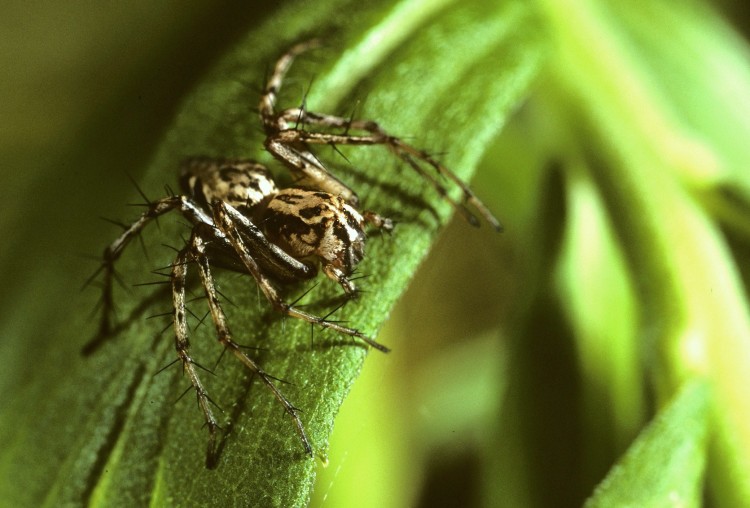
308, 223
241, 183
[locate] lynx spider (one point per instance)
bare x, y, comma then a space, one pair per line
242, 221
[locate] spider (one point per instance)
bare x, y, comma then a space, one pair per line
242, 221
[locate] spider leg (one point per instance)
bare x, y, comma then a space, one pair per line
268, 99
377, 136
182, 345
288, 144
225, 219
225, 338
303, 164
113, 252
282, 264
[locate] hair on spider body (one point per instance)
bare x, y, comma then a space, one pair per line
240, 219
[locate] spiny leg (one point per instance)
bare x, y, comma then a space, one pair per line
182, 345
293, 137
223, 218
287, 146
225, 336
113, 252
307, 168
303, 164
287, 143
267, 254
268, 99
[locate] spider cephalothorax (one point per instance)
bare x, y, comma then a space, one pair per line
241, 220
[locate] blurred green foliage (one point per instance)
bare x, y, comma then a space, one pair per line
597, 351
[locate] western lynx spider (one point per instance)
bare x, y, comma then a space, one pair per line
242, 221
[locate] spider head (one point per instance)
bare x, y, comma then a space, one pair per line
316, 225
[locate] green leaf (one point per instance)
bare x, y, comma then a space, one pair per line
593, 278
105, 430
653, 163
665, 464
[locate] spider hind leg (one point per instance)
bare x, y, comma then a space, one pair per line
287, 140
114, 251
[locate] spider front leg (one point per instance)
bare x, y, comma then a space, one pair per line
234, 226
182, 345
198, 251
